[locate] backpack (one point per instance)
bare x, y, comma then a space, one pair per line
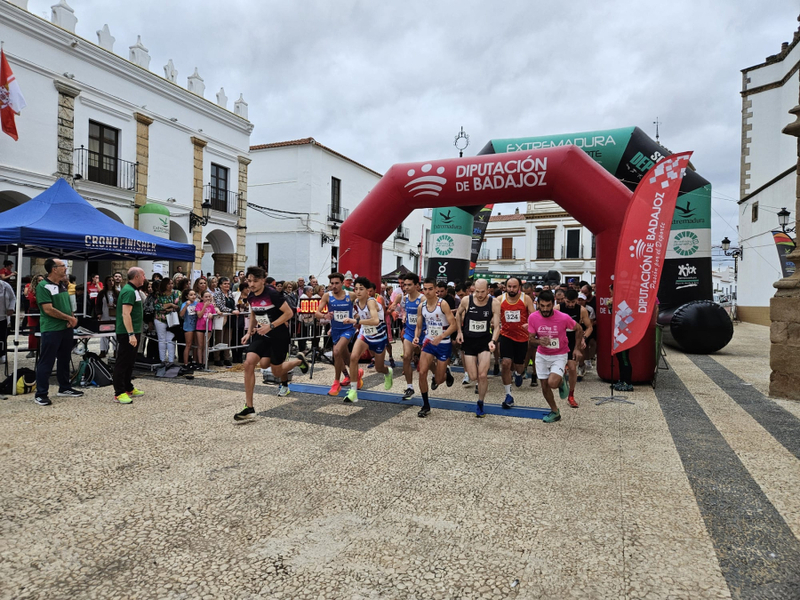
93, 371
26, 382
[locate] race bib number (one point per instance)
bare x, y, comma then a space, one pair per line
553, 344
92, 294
434, 330
262, 319
478, 326
340, 315
412, 319
512, 316
369, 330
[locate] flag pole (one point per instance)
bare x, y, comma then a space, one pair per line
612, 397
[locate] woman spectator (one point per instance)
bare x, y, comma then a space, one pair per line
212, 285
205, 317
107, 310
225, 305
165, 304
242, 320
188, 313
93, 291
200, 286
33, 316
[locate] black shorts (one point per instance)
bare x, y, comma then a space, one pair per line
473, 346
274, 346
516, 351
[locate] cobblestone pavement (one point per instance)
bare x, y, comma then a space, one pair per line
692, 492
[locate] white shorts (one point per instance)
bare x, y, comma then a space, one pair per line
550, 363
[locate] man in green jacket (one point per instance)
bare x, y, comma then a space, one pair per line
129, 331
56, 324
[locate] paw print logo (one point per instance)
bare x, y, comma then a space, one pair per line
426, 185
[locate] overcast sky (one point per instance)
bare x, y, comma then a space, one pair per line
388, 82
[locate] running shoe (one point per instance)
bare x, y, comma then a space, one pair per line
588, 364
360, 378
135, 393
371, 364
335, 389
352, 396
346, 380
534, 381
466, 380
518, 377
449, 379
424, 413
572, 402
508, 402
408, 394
283, 390
70, 393
581, 370
123, 399
247, 413
552, 417
496, 371
42, 401
479, 410
434, 385
563, 389
303, 366
391, 362
388, 380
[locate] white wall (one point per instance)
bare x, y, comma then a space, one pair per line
297, 178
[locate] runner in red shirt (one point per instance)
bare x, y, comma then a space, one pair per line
515, 308
548, 330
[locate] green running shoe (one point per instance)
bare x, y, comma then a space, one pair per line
388, 379
352, 396
552, 417
563, 389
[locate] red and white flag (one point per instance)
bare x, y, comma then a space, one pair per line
642, 249
11, 99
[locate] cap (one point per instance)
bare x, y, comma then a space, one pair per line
451, 284
348, 275
581, 296
539, 287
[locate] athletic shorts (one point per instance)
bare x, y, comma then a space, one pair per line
516, 351
337, 335
274, 346
550, 363
441, 352
376, 347
473, 346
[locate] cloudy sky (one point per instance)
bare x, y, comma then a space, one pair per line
388, 82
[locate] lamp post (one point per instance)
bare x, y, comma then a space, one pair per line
783, 220
195, 220
461, 142
735, 253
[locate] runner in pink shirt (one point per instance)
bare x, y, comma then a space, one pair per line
548, 330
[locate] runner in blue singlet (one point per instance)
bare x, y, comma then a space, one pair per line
340, 307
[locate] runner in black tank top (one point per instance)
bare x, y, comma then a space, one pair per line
580, 315
478, 320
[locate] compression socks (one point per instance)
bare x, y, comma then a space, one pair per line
425, 403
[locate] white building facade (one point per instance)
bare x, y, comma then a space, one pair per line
767, 177
544, 238
123, 135
300, 192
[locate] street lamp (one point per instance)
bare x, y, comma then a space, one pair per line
194, 220
736, 253
783, 220
461, 142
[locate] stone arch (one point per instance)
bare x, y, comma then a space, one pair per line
10, 199
224, 251
110, 213
564, 174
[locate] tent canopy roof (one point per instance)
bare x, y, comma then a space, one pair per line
59, 222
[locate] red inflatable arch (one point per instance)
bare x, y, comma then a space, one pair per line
563, 174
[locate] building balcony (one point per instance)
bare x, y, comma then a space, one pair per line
337, 214
402, 234
106, 170
565, 255
221, 200
507, 254
484, 254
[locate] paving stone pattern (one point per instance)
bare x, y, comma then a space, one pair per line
682, 495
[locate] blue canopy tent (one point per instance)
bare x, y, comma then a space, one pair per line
59, 222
